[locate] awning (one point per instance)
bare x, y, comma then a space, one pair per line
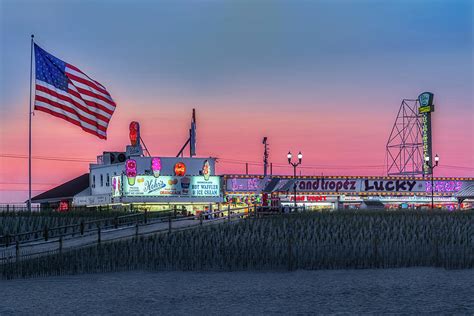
465, 193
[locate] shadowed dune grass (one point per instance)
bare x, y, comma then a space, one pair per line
327, 240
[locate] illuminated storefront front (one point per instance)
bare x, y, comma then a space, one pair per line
142, 182
350, 192
154, 183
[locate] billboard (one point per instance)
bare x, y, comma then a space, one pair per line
192, 186
354, 185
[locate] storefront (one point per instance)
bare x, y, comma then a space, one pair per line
140, 182
316, 193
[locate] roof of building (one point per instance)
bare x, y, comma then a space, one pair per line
466, 193
64, 191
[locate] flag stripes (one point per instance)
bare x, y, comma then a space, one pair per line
64, 91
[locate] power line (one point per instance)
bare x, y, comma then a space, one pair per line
15, 156
37, 183
231, 161
2, 190
282, 165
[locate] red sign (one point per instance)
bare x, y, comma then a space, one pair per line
309, 198
63, 206
134, 133
180, 169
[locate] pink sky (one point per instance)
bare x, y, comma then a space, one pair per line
340, 144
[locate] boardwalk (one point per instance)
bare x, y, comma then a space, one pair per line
38, 248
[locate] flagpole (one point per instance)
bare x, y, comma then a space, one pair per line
30, 114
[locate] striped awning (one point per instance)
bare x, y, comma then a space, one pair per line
466, 193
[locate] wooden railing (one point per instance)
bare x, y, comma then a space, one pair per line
49, 236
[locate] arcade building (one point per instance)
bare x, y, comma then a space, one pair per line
138, 181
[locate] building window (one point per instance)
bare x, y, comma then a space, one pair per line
107, 180
101, 180
93, 181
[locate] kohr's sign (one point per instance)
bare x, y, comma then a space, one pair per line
192, 186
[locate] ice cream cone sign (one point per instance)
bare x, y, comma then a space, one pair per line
156, 166
131, 171
206, 170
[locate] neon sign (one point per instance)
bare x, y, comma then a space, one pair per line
180, 169
309, 198
245, 184
444, 186
206, 170
134, 133
131, 171
116, 186
426, 107
192, 186
156, 166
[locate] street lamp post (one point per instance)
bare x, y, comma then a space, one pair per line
431, 166
294, 164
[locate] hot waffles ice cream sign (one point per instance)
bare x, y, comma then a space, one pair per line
192, 186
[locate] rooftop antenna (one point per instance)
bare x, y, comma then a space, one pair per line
191, 140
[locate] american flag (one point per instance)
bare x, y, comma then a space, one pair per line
64, 91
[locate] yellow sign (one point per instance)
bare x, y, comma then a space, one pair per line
425, 109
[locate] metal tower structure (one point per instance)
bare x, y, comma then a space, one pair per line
405, 144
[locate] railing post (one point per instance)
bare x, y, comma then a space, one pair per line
81, 228
255, 210
169, 223
60, 244
228, 213
136, 230
290, 251
145, 216
45, 233
17, 250
7, 240
175, 211
116, 222
98, 234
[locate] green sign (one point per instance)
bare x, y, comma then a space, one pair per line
425, 99
426, 107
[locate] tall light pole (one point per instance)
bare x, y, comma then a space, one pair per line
294, 164
431, 166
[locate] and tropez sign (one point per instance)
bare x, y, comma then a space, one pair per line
353, 185
191, 186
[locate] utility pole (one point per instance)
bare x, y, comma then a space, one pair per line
265, 156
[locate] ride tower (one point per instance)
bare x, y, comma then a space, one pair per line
410, 140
